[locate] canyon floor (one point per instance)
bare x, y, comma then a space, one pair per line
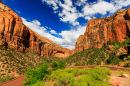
115, 79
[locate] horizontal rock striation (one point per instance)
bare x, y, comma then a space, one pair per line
105, 30
14, 34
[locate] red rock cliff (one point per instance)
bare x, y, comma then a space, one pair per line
14, 34
0, 1
104, 30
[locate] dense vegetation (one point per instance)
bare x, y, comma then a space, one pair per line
34, 75
37, 74
100, 56
77, 77
59, 65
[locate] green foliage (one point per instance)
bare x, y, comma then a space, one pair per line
124, 43
116, 43
6, 78
34, 75
88, 57
54, 65
79, 77
127, 64
40, 83
59, 65
128, 57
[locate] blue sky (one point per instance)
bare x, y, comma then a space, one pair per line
62, 21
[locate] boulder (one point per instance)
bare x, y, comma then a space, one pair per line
125, 75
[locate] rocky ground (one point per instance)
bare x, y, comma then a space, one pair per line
118, 80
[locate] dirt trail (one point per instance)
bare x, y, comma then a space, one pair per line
18, 81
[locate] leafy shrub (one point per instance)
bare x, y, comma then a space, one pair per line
61, 64
128, 57
116, 43
127, 64
40, 83
79, 77
54, 65
34, 75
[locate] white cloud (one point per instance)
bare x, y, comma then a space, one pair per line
68, 13
68, 39
18, 11
52, 3
101, 7
53, 32
80, 2
118, 4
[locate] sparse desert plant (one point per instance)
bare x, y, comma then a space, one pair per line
6, 78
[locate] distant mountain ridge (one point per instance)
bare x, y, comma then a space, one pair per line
103, 31
14, 34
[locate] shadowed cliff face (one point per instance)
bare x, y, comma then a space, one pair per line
105, 30
14, 34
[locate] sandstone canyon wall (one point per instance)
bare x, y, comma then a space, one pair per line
105, 30
14, 34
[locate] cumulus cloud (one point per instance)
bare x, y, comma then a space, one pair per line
80, 2
53, 32
69, 13
68, 38
101, 7
52, 3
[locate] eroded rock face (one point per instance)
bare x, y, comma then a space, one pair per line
105, 30
14, 34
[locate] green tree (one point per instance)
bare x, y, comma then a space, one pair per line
61, 64
34, 75
54, 65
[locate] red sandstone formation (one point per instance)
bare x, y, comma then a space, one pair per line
0, 1
14, 34
105, 30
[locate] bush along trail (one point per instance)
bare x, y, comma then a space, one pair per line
69, 77
45, 82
